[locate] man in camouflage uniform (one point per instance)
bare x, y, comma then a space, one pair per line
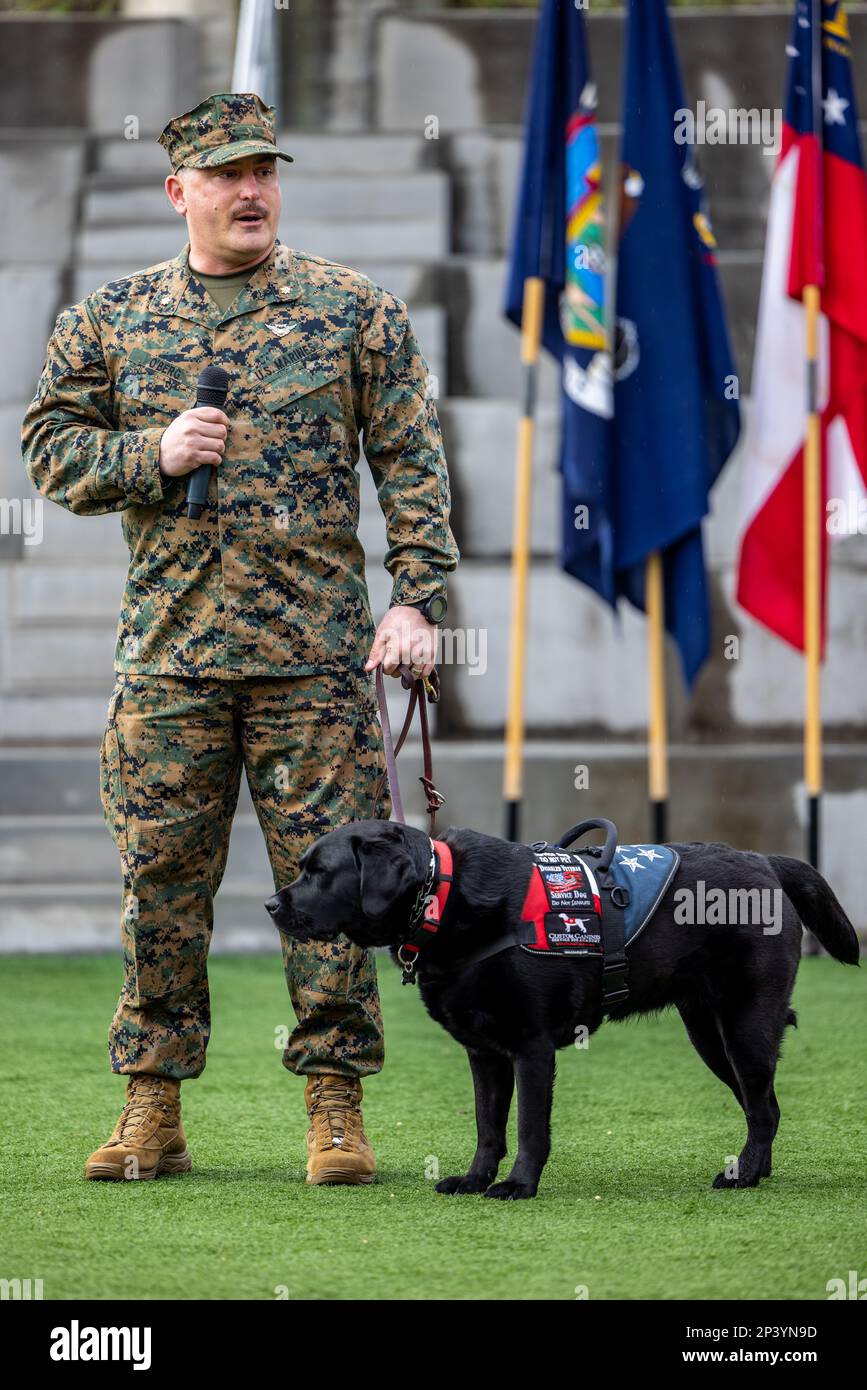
245, 636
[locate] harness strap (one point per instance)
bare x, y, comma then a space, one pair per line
615, 989
524, 934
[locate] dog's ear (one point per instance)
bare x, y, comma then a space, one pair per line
387, 872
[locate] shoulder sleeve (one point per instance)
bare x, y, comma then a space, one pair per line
385, 324
404, 448
71, 451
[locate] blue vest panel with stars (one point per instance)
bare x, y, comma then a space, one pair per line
647, 871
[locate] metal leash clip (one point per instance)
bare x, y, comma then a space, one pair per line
430, 683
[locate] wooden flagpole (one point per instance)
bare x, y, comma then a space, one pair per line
813, 519
513, 768
657, 760
812, 579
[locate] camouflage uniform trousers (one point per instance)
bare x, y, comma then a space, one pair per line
170, 767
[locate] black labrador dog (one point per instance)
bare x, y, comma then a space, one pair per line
731, 983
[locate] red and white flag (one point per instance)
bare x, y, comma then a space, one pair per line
817, 235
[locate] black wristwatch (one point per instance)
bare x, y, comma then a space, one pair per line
433, 609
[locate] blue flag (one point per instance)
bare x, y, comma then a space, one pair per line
676, 414
559, 236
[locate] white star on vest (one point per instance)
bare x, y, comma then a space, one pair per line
632, 862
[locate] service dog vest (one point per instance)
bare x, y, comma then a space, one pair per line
573, 905
564, 904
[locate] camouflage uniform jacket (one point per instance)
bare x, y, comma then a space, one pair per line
270, 580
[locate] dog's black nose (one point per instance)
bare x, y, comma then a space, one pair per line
273, 905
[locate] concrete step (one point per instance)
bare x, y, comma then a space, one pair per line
65, 596
484, 347
77, 849
28, 301
328, 155
351, 197
46, 660
51, 785
61, 712
67, 538
480, 438
746, 794
88, 78
72, 920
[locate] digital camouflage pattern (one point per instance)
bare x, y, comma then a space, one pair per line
270, 580
170, 767
227, 126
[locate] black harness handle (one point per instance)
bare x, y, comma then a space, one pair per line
597, 823
615, 987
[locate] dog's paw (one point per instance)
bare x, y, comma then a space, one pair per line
511, 1191
746, 1180
464, 1183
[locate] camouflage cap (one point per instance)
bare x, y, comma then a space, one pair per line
227, 126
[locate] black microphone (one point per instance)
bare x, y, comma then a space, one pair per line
212, 388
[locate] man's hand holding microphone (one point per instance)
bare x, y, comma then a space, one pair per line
196, 439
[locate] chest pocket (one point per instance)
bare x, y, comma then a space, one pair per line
150, 390
306, 411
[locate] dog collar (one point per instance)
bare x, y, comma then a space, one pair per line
431, 904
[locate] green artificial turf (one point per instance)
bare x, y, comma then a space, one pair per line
625, 1208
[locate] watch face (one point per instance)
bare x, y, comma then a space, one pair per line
436, 608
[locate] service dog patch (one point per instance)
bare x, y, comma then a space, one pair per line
563, 903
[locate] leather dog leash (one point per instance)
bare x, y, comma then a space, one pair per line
431, 686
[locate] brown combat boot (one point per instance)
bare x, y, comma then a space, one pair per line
336, 1142
148, 1138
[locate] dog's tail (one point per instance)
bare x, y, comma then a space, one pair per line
817, 906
